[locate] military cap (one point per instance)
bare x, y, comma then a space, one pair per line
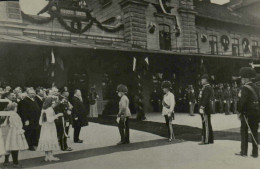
166, 84
122, 88
205, 76
247, 72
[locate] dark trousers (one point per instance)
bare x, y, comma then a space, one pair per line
14, 156
253, 124
207, 132
62, 137
32, 137
227, 107
234, 106
220, 106
76, 133
123, 127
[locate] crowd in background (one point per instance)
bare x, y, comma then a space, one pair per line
225, 98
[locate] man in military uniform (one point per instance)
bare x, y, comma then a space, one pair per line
220, 98
234, 97
63, 123
227, 99
248, 113
206, 110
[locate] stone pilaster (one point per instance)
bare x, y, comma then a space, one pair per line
187, 24
135, 22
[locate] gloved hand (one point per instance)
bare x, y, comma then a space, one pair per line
201, 111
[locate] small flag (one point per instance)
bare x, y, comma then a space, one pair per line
52, 57
134, 64
147, 61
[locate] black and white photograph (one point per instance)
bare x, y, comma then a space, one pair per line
129, 84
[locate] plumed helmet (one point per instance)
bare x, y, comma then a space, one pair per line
205, 76
122, 88
247, 72
166, 84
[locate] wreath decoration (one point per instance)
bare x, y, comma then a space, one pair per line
75, 26
225, 42
203, 38
245, 44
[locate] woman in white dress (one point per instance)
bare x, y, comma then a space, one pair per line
168, 104
48, 141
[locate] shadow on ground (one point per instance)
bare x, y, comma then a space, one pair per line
77, 155
181, 132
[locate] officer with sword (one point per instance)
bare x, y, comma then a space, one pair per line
206, 109
248, 111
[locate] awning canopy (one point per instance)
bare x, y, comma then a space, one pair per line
28, 40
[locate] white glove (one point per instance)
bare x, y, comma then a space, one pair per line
27, 123
201, 111
225, 101
189, 102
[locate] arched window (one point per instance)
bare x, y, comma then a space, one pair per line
213, 43
235, 47
164, 37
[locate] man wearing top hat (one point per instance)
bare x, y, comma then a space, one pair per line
205, 110
248, 113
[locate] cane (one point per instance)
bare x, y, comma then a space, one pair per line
250, 131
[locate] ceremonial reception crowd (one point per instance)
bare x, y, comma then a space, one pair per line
40, 119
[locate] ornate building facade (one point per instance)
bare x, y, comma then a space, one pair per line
100, 42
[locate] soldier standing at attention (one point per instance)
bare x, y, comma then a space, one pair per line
248, 113
235, 97
206, 110
221, 98
227, 99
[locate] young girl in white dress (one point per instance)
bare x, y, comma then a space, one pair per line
15, 139
48, 141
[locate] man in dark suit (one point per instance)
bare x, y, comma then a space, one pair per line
206, 110
30, 113
39, 97
248, 113
79, 115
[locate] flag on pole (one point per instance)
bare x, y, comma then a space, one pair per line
52, 57
134, 64
146, 63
